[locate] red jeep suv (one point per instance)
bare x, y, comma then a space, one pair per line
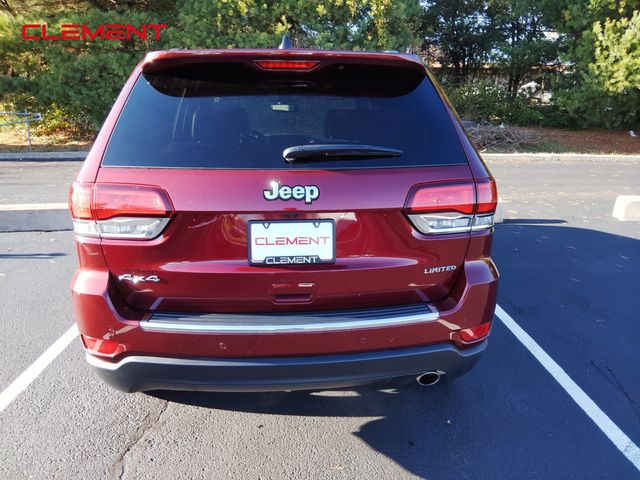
256, 220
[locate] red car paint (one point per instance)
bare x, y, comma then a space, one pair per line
200, 258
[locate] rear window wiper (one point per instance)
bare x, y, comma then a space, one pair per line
335, 151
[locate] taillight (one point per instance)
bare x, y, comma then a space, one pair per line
137, 212
487, 196
486, 203
129, 200
287, 64
80, 197
452, 207
447, 197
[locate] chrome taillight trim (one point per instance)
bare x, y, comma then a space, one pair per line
482, 226
102, 228
85, 228
423, 222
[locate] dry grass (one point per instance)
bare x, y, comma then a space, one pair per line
512, 139
14, 139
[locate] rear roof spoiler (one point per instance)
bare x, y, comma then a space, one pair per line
164, 59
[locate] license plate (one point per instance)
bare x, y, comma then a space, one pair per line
296, 242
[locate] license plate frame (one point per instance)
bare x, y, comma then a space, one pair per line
288, 228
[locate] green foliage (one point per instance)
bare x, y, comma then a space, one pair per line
507, 41
484, 102
617, 53
522, 43
80, 80
602, 45
77, 80
348, 24
153, 6
58, 120
458, 34
589, 105
97, 70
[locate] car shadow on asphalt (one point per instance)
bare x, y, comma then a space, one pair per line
31, 256
400, 422
558, 282
532, 221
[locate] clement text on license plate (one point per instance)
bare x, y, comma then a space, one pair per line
292, 242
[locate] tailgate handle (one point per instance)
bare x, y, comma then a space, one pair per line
293, 298
301, 292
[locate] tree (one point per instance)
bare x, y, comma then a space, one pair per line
61, 79
600, 41
617, 53
149, 6
78, 81
524, 43
459, 34
348, 24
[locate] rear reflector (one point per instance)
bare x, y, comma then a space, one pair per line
452, 207
119, 211
287, 64
102, 348
474, 334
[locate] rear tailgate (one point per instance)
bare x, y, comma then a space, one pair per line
202, 257
212, 135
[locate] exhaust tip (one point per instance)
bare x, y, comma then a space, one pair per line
429, 378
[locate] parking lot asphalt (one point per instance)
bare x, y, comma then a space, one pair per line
569, 279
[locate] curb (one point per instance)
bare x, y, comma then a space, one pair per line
498, 216
627, 208
559, 157
43, 157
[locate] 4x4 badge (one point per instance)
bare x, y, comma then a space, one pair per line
308, 193
138, 278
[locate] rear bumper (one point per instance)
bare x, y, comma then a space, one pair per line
102, 315
140, 373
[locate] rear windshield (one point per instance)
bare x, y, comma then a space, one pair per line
232, 116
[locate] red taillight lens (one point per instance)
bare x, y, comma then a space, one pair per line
474, 334
287, 64
103, 201
133, 212
130, 201
447, 197
80, 200
102, 348
487, 195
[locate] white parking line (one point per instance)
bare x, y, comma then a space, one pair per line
17, 207
36, 368
604, 423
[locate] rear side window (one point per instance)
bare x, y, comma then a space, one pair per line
232, 116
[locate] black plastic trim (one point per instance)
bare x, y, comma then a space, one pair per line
142, 373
